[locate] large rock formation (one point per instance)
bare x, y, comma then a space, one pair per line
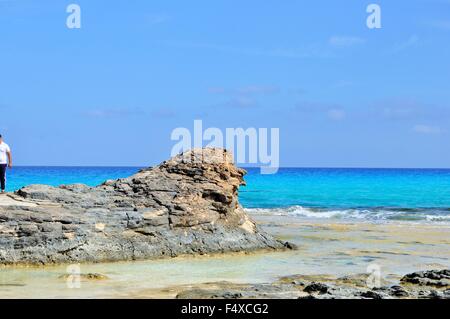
186, 205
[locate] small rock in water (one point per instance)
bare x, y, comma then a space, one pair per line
230, 295
291, 246
371, 295
307, 297
298, 283
434, 295
436, 278
89, 276
316, 287
398, 291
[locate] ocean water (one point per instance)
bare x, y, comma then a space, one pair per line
21, 176
375, 194
370, 194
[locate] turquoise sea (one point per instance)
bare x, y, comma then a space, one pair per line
373, 194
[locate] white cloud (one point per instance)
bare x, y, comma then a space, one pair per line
163, 113
309, 51
331, 111
241, 102
336, 114
412, 41
440, 24
345, 41
245, 90
343, 84
113, 112
407, 109
157, 18
427, 129
217, 90
258, 89
244, 97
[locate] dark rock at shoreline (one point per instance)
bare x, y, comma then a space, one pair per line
312, 287
370, 294
398, 291
436, 278
187, 205
316, 287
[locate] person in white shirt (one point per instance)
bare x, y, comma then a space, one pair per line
5, 161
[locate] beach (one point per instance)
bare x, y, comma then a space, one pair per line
233, 150
339, 221
334, 248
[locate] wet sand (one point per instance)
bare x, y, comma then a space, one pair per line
326, 247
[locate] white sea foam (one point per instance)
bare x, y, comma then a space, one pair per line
432, 215
438, 218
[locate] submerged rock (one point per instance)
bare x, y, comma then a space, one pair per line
85, 277
398, 291
186, 205
369, 294
309, 287
436, 278
316, 287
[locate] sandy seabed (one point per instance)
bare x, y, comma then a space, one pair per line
325, 247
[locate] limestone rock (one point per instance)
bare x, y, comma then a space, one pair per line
436, 278
313, 287
186, 205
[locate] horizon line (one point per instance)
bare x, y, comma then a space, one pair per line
245, 167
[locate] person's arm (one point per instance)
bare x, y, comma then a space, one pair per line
9, 158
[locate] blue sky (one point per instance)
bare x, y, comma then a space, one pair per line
111, 92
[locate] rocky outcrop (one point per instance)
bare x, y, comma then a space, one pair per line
322, 287
186, 205
435, 278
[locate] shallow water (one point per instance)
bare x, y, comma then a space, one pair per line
343, 220
334, 247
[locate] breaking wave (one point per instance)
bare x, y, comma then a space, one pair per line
377, 213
